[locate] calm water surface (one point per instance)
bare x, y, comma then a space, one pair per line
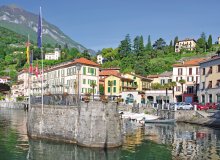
153, 142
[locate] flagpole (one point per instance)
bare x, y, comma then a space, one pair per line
29, 87
42, 63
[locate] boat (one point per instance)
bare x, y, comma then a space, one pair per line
166, 121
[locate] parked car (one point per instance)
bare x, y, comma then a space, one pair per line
201, 106
176, 105
211, 105
186, 106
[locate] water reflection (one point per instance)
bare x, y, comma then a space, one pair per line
154, 141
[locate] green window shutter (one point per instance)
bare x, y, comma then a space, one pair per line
84, 70
88, 69
114, 82
114, 89
85, 90
82, 90
92, 70
109, 89
95, 71
84, 81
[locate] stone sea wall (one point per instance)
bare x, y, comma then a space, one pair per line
15, 105
93, 124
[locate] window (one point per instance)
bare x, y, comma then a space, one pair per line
218, 68
190, 71
109, 89
84, 81
190, 79
210, 70
210, 98
203, 98
197, 71
176, 79
203, 85
210, 84
180, 71
114, 89
203, 71
218, 83
114, 82
178, 88
162, 81
84, 70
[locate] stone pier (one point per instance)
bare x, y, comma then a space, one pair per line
93, 124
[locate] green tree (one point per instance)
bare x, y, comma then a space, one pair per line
86, 54
182, 82
101, 89
148, 46
156, 86
172, 85
124, 48
209, 44
200, 45
93, 85
138, 46
175, 41
159, 44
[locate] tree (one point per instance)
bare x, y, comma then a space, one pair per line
203, 36
86, 54
175, 41
138, 46
159, 44
93, 85
172, 85
209, 44
149, 46
200, 45
182, 82
124, 48
156, 86
101, 89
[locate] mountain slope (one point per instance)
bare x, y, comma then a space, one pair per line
24, 22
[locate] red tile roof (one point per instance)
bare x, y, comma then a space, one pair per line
85, 61
109, 72
193, 62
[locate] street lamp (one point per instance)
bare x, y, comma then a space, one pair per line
78, 67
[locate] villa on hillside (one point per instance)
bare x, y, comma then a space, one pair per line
188, 44
53, 56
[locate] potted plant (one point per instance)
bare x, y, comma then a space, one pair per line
86, 97
104, 99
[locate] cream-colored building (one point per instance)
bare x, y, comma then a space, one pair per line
188, 71
209, 90
188, 44
218, 40
61, 78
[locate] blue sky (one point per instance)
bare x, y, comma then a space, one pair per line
98, 24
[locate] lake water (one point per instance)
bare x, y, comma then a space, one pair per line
153, 142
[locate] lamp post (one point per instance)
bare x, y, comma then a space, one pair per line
78, 67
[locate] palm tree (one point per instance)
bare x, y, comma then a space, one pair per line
172, 85
93, 85
166, 86
182, 81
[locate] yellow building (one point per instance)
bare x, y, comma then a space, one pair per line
209, 90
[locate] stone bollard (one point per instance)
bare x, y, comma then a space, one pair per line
195, 107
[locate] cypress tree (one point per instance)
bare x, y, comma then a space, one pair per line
209, 45
149, 46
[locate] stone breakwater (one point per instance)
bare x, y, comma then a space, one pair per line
15, 105
93, 124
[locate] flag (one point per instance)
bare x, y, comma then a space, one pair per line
39, 31
28, 51
36, 70
30, 62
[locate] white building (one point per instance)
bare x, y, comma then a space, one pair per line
188, 71
65, 77
165, 77
21, 87
4, 79
187, 44
100, 59
53, 56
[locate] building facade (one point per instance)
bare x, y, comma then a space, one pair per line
189, 72
71, 77
53, 56
100, 59
209, 90
187, 44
